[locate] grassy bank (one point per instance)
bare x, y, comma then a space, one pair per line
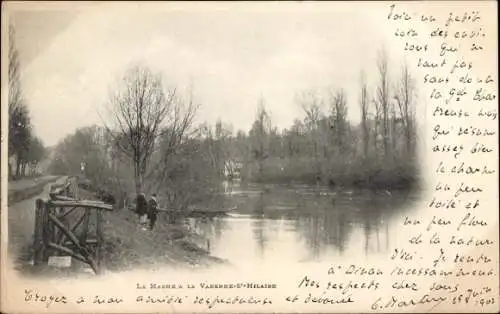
127, 246
397, 175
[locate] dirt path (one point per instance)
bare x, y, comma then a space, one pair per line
27, 183
22, 219
126, 245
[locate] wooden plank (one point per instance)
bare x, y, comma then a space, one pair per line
87, 242
60, 261
78, 223
66, 187
99, 237
67, 213
55, 233
73, 229
85, 228
68, 233
62, 213
46, 231
81, 204
59, 197
70, 252
75, 241
74, 187
38, 245
195, 210
60, 189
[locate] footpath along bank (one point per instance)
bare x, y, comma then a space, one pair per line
126, 246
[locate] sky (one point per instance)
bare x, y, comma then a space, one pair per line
230, 53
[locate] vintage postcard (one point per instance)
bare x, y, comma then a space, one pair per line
249, 157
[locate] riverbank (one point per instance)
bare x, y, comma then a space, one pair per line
126, 245
365, 174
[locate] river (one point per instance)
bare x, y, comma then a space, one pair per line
302, 223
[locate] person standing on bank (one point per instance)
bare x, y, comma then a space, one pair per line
142, 208
153, 211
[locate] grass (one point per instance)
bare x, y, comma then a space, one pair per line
359, 173
127, 245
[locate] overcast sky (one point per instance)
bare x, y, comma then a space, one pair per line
232, 54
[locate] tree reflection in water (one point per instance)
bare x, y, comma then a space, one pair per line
316, 225
259, 224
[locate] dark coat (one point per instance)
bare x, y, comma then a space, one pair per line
141, 205
153, 206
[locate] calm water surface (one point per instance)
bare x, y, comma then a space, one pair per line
301, 223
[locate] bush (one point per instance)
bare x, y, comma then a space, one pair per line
359, 173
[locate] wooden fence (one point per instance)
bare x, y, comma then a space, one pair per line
68, 226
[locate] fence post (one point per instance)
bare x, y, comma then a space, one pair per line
39, 244
75, 188
66, 187
48, 230
100, 238
85, 226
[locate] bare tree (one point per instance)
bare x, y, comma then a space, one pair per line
260, 135
312, 105
14, 81
364, 114
405, 98
383, 99
20, 133
177, 127
338, 117
137, 110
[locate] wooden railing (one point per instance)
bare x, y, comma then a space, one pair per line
66, 225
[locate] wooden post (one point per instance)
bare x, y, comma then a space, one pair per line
47, 231
38, 245
47, 221
75, 188
100, 238
56, 234
85, 226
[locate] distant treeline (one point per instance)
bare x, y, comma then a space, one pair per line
25, 150
324, 147
152, 145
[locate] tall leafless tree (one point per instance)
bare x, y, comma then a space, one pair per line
260, 134
364, 114
338, 117
405, 94
14, 80
312, 105
137, 110
383, 99
177, 127
20, 133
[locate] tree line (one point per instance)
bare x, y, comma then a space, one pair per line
149, 141
25, 149
325, 147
